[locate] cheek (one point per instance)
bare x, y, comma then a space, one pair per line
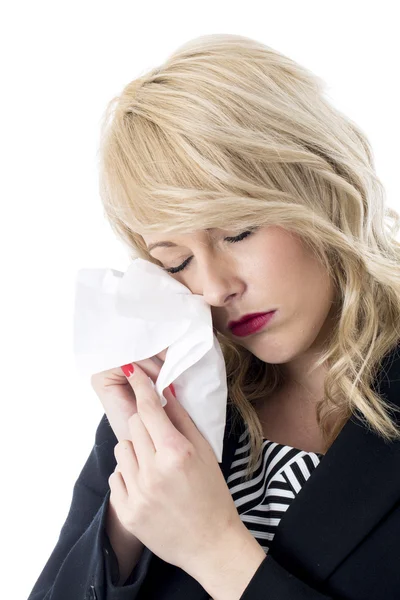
311, 295
290, 278
274, 273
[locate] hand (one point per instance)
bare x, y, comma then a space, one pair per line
117, 396
168, 489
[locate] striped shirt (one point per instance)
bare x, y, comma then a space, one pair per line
280, 473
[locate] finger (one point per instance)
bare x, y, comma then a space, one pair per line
152, 414
161, 355
151, 366
182, 420
143, 445
126, 457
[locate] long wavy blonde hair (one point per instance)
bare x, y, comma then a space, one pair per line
229, 133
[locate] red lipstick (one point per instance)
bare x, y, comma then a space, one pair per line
250, 323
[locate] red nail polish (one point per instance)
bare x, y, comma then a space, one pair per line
128, 369
171, 387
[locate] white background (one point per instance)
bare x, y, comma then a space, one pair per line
61, 62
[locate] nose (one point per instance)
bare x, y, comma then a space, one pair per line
217, 281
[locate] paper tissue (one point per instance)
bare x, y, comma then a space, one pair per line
125, 317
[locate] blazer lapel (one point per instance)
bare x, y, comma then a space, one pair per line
343, 499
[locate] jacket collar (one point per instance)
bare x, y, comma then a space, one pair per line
336, 507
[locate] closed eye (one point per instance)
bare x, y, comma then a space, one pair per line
233, 240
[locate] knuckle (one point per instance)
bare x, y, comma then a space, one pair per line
120, 447
178, 444
180, 455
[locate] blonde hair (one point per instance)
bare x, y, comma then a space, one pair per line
229, 133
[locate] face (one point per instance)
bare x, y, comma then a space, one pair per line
270, 268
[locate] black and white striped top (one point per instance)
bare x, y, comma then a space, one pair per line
281, 472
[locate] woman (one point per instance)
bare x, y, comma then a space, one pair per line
228, 168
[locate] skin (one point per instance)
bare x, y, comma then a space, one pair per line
269, 269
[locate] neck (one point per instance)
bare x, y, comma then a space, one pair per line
301, 379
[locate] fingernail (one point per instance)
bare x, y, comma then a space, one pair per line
128, 369
171, 387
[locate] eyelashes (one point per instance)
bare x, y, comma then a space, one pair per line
232, 240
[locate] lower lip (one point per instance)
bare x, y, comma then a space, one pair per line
252, 325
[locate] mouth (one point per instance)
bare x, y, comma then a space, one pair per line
250, 323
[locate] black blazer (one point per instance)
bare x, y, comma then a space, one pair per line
338, 539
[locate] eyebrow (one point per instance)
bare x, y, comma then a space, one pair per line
166, 244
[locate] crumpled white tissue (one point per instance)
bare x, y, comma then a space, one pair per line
121, 318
